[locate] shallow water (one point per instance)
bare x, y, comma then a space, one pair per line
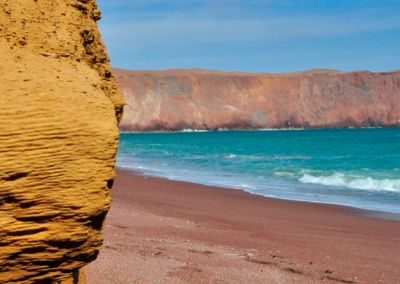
355, 167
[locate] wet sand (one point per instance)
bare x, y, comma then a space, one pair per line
161, 231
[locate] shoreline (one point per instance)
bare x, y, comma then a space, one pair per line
166, 231
198, 130
370, 213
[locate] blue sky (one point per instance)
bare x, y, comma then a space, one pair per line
252, 35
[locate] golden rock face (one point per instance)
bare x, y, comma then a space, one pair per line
59, 111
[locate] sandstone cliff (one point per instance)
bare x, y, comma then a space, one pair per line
59, 109
198, 99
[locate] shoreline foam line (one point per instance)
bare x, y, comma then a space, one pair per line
369, 212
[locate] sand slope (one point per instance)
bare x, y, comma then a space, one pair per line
160, 231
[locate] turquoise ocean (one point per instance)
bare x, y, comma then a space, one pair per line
354, 167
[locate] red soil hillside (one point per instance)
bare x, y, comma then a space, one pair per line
199, 99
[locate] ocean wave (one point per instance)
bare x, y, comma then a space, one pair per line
230, 156
267, 157
283, 174
364, 183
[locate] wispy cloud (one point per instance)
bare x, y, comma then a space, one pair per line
205, 30
146, 30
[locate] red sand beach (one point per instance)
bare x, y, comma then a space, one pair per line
161, 231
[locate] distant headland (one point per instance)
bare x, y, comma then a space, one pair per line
177, 99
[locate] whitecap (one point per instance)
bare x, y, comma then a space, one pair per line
283, 174
230, 156
355, 182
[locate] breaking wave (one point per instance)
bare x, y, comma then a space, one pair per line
363, 183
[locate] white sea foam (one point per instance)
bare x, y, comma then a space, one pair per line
283, 174
230, 156
193, 130
267, 157
297, 157
279, 129
365, 183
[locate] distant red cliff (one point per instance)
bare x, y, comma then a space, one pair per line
200, 99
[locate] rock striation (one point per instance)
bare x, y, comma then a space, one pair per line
200, 99
59, 111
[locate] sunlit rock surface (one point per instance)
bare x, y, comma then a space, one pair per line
59, 110
200, 99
